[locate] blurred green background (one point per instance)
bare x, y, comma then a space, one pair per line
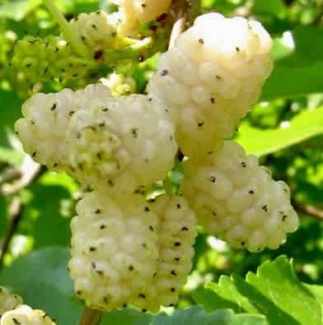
285, 129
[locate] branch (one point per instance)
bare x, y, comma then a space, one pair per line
184, 13
309, 210
15, 213
91, 317
9, 175
29, 171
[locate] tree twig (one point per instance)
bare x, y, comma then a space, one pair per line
66, 29
91, 317
29, 171
15, 213
184, 12
309, 210
10, 175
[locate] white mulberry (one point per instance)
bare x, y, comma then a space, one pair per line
43, 127
114, 251
8, 300
139, 253
238, 201
211, 77
99, 138
45, 122
136, 12
177, 232
113, 136
24, 315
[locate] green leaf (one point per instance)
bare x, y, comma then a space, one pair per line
196, 315
43, 217
42, 280
262, 142
9, 113
18, 9
300, 72
270, 7
274, 292
317, 291
3, 216
10, 156
224, 294
128, 317
287, 81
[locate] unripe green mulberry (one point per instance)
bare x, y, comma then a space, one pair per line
238, 201
135, 12
8, 300
176, 236
114, 250
37, 61
96, 32
211, 77
112, 136
24, 315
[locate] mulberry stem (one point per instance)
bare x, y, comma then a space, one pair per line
186, 11
91, 317
68, 33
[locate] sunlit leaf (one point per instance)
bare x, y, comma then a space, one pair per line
303, 127
273, 291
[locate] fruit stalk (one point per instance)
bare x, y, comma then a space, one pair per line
91, 317
67, 31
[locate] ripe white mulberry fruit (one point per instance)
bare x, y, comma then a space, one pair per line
135, 12
99, 138
238, 201
24, 315
114, 251
8, 300
211, 77
113, 136
45, 121
177, 232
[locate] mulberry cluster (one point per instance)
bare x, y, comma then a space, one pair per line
238, 201
211, 77
24, 315
127, 249
138, 254
8, 301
